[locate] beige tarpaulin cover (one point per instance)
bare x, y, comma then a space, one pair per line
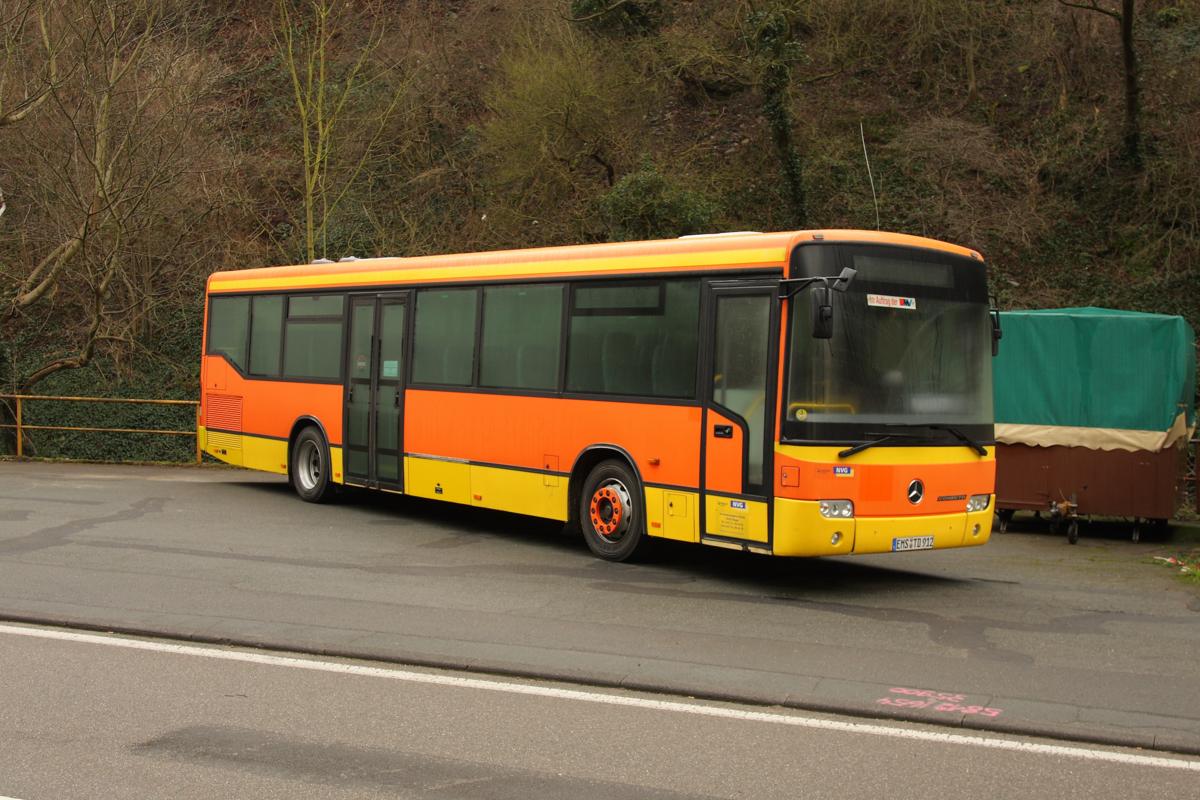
1095, 438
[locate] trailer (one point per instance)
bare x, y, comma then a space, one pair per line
1094, 410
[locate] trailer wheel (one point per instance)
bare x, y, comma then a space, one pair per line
1073, 531
1137, 532
1005, 516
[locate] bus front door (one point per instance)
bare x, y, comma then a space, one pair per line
374, 392
743, 337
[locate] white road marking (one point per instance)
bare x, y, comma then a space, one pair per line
607, 698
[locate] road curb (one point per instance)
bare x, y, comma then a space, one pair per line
1180, 744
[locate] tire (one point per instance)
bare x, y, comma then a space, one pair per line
1073, 531
1005, 516
610, 511
308, 466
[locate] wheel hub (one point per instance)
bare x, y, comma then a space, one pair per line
609, 509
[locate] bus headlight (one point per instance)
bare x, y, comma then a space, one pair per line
978, 502
836, 509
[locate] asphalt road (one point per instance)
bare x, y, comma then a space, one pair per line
1026, 634
100, 716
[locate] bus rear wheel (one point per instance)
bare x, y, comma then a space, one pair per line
610, 512
309, 466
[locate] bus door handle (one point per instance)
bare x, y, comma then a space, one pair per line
723, 431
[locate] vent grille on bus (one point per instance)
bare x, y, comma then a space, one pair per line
223, 411
224, 442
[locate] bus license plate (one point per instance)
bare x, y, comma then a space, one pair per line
912, 543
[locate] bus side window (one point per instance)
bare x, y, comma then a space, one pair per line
637, 339
312, 337
522, 328
444, 336
266, 335
228, 328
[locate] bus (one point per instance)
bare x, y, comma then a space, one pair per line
811, 393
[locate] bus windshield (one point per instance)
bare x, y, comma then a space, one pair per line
911, 349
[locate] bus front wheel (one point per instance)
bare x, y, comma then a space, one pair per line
309, 470
610, 511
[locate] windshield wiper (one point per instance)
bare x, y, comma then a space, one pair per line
962, 437
883, 437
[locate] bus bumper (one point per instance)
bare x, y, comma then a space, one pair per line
800, 530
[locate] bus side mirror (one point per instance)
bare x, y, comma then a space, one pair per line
842, 282
822, 317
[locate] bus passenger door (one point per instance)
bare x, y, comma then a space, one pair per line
375, 392
742, 320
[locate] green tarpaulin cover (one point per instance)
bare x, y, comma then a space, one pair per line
1094, 368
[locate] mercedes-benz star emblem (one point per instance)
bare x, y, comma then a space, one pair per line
916, 492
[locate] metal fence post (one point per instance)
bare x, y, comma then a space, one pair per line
199, 452
20, 434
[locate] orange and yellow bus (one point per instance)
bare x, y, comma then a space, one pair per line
802, 394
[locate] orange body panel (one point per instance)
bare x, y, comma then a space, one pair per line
723, 457
522, 431
269, 408
880, 490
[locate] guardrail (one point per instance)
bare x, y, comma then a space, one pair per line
20, 427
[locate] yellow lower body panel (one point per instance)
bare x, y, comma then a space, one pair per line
800, 530
735, 518
225, 446
268, 455
496, 488
438, 479
519, 492
672, 514
979, 526
335, 458
877, 534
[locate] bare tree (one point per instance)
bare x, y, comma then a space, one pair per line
1123, 13
326, 93
106, 163
23, 91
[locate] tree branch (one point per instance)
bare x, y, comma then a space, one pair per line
1091, 6
598, 14
31, 103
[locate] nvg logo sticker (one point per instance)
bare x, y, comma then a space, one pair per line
843, 472
737, 504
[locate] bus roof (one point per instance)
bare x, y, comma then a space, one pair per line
687, 254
